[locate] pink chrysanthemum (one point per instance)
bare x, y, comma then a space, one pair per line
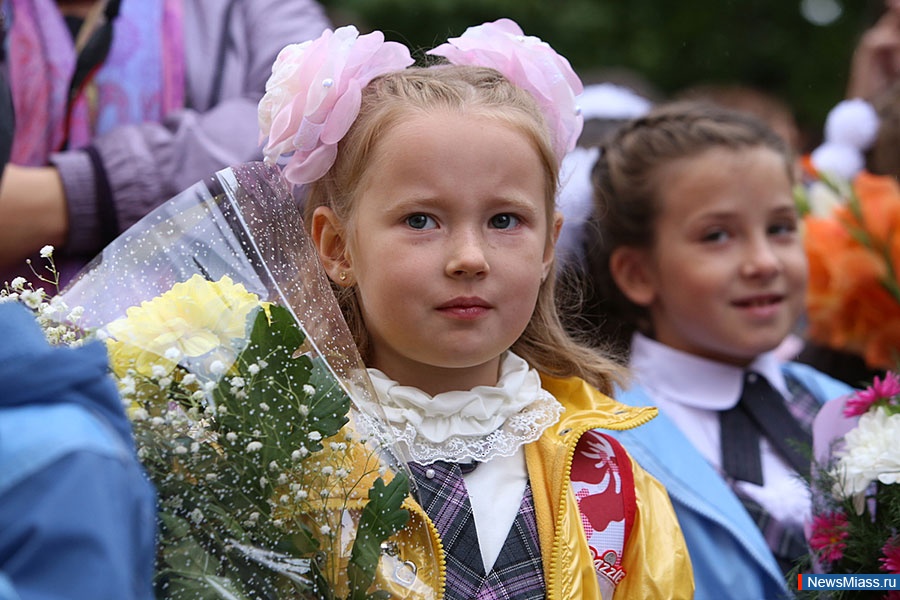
890, 562
881, 389
829, 532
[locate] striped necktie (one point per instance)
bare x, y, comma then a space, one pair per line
761, 412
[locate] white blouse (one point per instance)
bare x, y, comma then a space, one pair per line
692, 390
487, 424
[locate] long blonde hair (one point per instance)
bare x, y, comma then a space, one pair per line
477, 91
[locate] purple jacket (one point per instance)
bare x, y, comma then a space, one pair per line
230, 46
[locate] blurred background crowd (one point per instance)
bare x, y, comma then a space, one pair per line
797, 51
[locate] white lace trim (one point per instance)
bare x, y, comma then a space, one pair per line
462, 426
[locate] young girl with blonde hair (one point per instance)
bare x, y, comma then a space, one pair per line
431, 201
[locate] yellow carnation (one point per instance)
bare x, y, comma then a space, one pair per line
194, 318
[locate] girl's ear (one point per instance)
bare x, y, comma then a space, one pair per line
631, 270
330, 240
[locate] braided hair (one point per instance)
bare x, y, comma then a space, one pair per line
627, 196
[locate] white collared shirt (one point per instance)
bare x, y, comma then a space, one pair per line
489, 424
692, 390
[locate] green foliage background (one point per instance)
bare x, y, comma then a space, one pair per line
670, 44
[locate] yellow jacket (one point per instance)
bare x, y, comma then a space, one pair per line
655, 556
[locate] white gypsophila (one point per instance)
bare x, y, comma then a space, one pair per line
47, 251
32, 299
127, 385
871, 453
18, 283
217, 367
54, 309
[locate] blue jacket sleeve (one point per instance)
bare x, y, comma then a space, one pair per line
76, 530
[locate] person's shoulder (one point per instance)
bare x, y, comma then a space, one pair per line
34, 436
584, 402
823, 386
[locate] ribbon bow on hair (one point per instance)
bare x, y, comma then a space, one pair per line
315, 91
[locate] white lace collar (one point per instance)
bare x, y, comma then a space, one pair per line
478, 424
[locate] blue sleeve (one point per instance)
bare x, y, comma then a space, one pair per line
81, 529
6, 589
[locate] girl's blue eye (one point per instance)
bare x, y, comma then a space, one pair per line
504, 221
420, 221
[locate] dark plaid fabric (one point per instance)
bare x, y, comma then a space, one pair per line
518, 572
787, 541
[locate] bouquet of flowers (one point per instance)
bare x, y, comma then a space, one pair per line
855, 526
853, 298
252, 412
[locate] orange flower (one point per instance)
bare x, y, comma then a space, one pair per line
853, 299
880, 202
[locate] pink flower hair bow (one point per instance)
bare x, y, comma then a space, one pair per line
314, 95
529, 63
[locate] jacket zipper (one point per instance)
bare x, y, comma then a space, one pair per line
567, 473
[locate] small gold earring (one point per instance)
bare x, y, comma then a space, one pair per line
343, 276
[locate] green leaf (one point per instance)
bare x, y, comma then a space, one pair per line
204, 587
273, 399
801, 199
329, 406
381, 518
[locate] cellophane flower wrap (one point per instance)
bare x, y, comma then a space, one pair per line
245, 392
852, 242
314, 94
855, 525
529, 63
